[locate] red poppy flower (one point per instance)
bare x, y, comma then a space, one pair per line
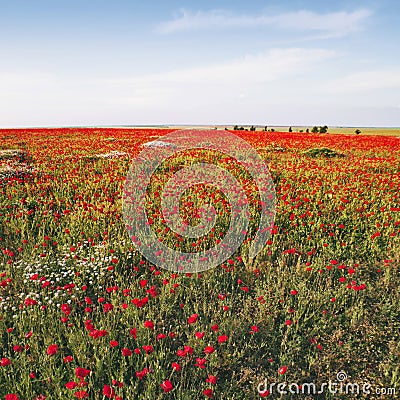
126, 352
222, 338
133, 333
52, 349
71, 385
149, 324
193, 318
215, 328
167, 386
82, 373
212, 379
265, 393
5, 361
176, 366
282, 370
108, 391
200, 363
148, 349
82, 394
11, 396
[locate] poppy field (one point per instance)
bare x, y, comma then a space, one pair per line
84, 315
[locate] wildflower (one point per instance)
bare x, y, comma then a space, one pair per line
167, 386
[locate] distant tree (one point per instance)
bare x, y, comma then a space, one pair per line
301, 130
315, 129
252, 128
357, 131
323, 129
272, 130
235, 128
265, 128
290, 129
307, 130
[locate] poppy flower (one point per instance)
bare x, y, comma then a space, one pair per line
52, 350
167, 386
108, 391
82, 394
71, 385
126, 352
212, 379
200, 363
148, 349
176, 366
215, 328
81, 373
282, 370
149, 324
133, 333
222, 338
11, 396
193, 318
5, 361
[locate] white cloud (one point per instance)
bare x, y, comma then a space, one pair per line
17, 83
210, 80
366, 81
332, 24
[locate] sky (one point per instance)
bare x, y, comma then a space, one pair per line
127, 62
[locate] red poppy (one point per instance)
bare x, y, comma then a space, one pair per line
108, 391
5, 361
133, 333
126, 352
71, 385
149, 324
282, 370
81, 373
212, 379
222, 338
176, 366
167, 386
82, 394
11, 396
148, 349
193, 318
52, 349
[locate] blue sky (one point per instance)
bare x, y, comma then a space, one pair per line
288, 62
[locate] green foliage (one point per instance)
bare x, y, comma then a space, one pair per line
323, 129
323, 152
